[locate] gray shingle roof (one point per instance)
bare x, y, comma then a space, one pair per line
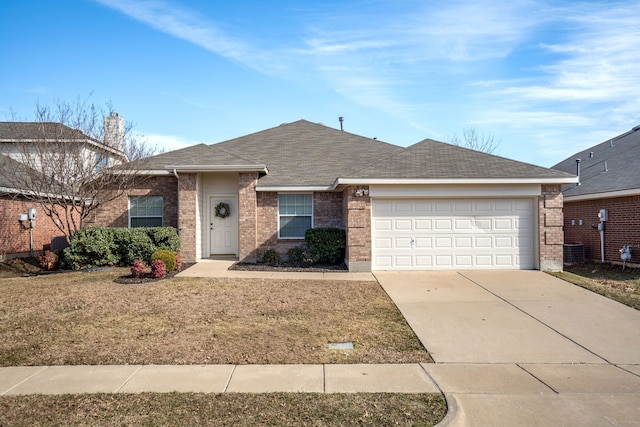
622, 157
310, 154
19, 131
431, 159
307, 154
201, 154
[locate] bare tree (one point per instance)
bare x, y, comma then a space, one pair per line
72, 159
472, 139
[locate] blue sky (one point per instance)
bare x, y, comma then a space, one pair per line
545, 78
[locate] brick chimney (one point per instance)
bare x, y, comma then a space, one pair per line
114, 131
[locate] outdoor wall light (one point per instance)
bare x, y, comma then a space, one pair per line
362, 192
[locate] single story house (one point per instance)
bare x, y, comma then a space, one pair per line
609, 182
428, 206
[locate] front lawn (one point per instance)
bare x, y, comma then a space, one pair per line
232, 409
86, 318
609, 280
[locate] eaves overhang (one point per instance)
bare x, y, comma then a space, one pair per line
217, 168
603, 195
454, 181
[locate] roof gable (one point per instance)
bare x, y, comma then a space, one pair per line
436, 160
613, 165
307, 154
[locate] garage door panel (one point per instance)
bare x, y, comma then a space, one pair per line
424, 242
451, 234
383, 242
423, 261
423, 224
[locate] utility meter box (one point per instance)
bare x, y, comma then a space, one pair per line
603, 215
32, 213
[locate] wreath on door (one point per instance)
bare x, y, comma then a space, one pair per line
222, 210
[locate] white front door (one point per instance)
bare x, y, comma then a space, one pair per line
223, 232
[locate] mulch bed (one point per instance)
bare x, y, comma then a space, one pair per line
284, 267
130, 280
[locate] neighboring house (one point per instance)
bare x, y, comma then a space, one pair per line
429, 206
17, 238
23, 146
30, 142
610, 180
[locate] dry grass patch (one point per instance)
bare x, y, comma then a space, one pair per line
276, 409
609, 280
86, 318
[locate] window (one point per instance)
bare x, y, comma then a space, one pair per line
102, 161
145, 211
295, 214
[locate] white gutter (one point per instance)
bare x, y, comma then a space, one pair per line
218, 168
605, 195
386, 181
430, 181
294, 188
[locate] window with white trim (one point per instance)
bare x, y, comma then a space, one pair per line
295, 215
145, 211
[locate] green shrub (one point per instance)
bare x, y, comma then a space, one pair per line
167, 257
326, 245
298, 256
164, 238
271, 257
92, 246
97, 246
134, 244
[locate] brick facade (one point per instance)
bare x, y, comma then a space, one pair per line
187, 215
327, 212
357, 214
116, 212
248, 220
622, 228
14, 237
551, 236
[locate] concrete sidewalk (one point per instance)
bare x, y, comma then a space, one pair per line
220, 268
391, 378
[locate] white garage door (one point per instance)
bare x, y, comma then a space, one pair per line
435, 234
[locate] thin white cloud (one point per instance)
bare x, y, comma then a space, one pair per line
185, 24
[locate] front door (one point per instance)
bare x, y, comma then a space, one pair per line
223, 230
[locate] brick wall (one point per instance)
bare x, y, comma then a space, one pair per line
327, 212
248, 220
622, 228
14, 238
116, 212
551, 235
187, 214
357, 214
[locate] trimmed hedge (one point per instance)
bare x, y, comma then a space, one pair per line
326, 245
103, 246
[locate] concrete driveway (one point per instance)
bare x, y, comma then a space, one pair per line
523, 348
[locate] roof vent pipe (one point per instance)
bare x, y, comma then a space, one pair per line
341, 119
606, 167
578, 170
591, 154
